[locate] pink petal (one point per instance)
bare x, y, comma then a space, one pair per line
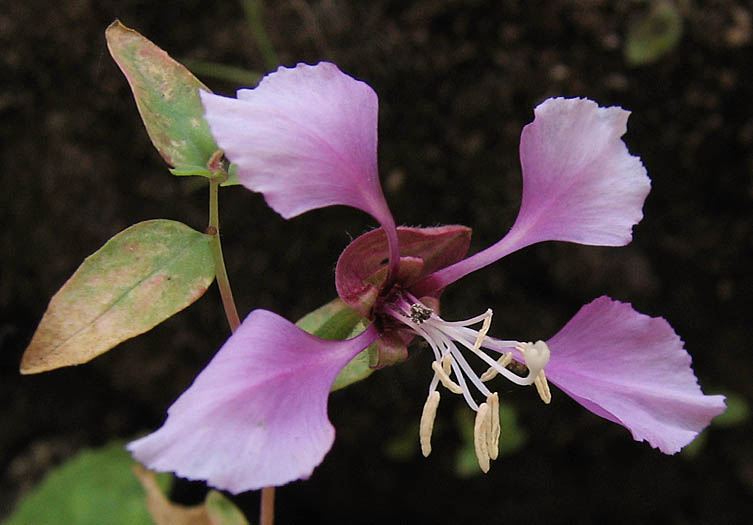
305, 137
256, 416
631, 369
580, 184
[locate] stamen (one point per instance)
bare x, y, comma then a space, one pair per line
542, 387
427, 422
484, 329
480, 433
503, 361
447, 364
448, 383
447, 340
492, 440
537, 359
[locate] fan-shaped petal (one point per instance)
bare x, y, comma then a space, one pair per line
580, 184
631, 369
256, 416
305, 137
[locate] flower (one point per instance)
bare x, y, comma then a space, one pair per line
305, 138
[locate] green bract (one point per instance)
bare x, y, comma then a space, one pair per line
337, 321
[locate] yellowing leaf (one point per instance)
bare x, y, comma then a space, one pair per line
139, 278
167, 96
164, 511
216, 509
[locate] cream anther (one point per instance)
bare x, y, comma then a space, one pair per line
448, 383
542, 387
503, 361
427, 422
447, 364
492, 439
449, 341
484, 330
481, 429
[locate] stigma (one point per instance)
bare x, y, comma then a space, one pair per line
450, 341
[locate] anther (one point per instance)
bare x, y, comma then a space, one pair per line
503, 361
426, 426
480, 432
482, 333
492, 439
542, 387
448, 383
447, 364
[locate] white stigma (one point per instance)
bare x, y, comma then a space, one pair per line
452, 370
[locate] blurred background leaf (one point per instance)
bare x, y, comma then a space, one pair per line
654, 34
92, 488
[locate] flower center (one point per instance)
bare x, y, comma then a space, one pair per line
447, 339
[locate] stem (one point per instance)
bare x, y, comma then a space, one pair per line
267, 516
223, 282
231, 74
267, 513
253, 10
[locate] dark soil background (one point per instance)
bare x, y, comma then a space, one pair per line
457, 80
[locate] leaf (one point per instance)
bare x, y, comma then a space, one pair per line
99, 486
337, 321
654, 35
232, 179
167, 97
139, 278
221, 510
737, 413
93, 487
162, 510
216, 509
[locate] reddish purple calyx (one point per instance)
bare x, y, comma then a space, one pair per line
361, 275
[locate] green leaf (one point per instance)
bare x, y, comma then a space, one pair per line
185, 171
654, 35
107, 486
139, 278
216, 509
167, 96
737, 413
221, 510
405, 445
92, 488
337, 321
232, 179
